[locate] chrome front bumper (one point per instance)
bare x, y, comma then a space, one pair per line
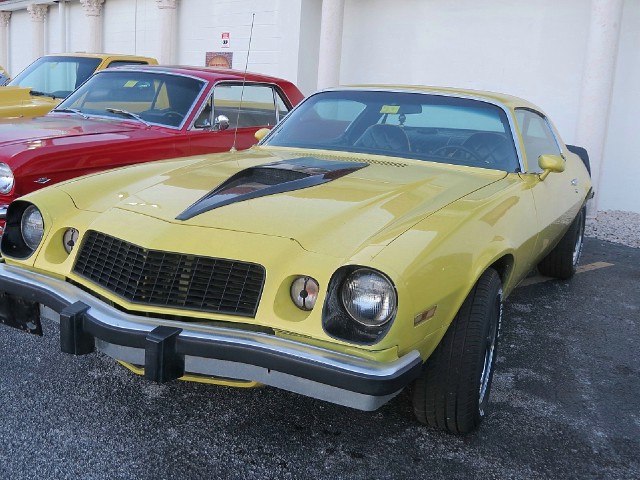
170, 349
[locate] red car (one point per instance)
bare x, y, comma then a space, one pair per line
137, 114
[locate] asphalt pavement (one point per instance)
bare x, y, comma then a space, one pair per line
565, 404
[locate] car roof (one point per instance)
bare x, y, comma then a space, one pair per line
509, 101
207, 73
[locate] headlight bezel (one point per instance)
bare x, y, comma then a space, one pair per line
13, 244
338, 323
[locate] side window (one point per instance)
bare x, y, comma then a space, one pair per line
253, 106
537, 137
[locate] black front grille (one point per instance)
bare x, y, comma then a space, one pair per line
167, 279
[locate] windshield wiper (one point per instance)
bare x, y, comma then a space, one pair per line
71, 110
128, 114
37, 93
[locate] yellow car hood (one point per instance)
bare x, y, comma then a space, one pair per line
18, 101
14, 94
370, 200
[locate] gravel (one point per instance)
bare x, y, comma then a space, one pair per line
615, 226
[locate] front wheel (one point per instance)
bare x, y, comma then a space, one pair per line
453, 391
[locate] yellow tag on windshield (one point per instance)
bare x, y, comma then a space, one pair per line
390, 109
131, 83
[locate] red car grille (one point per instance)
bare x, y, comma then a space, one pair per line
167, 279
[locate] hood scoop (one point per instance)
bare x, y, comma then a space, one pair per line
269, 179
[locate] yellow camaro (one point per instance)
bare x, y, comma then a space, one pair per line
366, 244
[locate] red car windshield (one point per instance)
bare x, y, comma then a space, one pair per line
150, 97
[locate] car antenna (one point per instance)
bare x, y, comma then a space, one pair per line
244, 80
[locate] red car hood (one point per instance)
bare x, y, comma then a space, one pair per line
55, 126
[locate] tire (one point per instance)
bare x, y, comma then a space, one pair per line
453, 391
562, 261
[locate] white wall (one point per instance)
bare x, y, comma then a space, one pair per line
203, 22
20, 42
194, 25
132, 26
309, 41
621, 174
121, 19
53, 31
78, 28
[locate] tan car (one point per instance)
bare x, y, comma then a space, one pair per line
46, 82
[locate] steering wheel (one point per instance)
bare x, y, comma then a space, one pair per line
458, 152
173, 117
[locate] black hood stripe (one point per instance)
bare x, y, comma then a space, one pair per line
269, 179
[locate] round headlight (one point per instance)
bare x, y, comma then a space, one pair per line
369, 297
6, 178
32, 227
304, 292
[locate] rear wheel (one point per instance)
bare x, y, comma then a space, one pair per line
562, 261
453, 391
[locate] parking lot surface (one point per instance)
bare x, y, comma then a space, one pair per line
565, 404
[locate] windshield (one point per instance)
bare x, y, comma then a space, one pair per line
149, 97
56, 76
419, 126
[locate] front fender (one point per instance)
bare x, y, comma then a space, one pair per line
437, 262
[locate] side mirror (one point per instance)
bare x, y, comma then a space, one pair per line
260, 134
221, 122
550, 164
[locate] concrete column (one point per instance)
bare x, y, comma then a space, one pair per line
93, 11
168, 30
330, 43
62, 13
38, 13
4, 39
597, 83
